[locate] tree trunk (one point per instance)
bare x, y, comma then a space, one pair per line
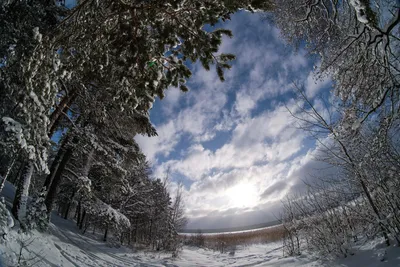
21, 195
51, 194
19, 173
10, 166
56, 162
105, 234
88, 163
78, 212
54, 167
136, 230
376, 211
60, 209
150, 230
69, 205
82, 219
63, 107
365, 189
87, 224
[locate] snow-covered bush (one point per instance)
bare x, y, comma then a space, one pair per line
319, 222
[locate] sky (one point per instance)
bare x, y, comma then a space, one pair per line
233, 144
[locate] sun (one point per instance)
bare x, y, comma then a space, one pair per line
242, 195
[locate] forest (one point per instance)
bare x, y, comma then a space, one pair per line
77, 85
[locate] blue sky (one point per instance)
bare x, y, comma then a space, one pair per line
233, 144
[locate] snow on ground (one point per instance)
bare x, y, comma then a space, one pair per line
64, 245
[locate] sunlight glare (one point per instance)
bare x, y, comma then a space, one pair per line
242, 195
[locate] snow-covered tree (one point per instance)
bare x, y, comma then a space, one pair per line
27, 85
37, 217
358, 44
361, 199
178, 209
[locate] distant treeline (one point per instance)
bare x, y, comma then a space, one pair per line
232, 229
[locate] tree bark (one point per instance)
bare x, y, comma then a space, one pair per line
19, 173
54, 167
105, 234
376, 211
63, 107
69, 205
82, 219
87, 224
136, 230
78, 212
22, 192
52, 192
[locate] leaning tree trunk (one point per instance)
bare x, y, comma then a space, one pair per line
56, 162
376, 211
54, 167
52, 192
21, 194
61, 109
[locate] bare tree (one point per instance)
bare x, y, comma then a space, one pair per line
358, 43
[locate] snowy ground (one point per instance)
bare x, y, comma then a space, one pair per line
65, 246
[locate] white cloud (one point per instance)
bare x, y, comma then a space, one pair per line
259, 154
295, 61
171, 100
269, 124
162, 144
206, 106
208, 197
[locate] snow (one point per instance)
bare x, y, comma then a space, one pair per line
16, 128
37, 35
63, 245
360, 9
